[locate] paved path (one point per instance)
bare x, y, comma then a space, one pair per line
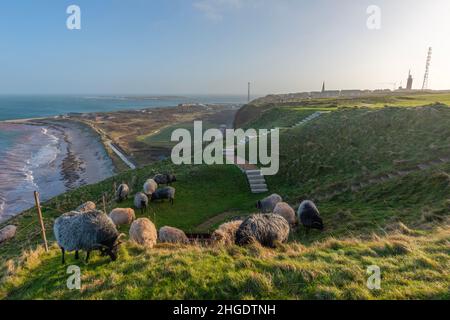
120, 154
255, 178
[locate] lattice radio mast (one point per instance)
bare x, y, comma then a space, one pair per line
427, 70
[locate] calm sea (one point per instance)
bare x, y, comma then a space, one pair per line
23, 107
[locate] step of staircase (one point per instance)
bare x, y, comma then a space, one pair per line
256, 181
259, 191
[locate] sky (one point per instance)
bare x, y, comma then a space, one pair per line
217, 46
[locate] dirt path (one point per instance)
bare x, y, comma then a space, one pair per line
205, 226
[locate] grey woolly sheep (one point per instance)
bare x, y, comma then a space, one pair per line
86, 207
7, 233
122, 216
140, 201
143, 232
122, 192
285, 210
164, 193
150, 187
267, 229
309, 215
172, 235
226, 233
164, 178
88, 231
267, 204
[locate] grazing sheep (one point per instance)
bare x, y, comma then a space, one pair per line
172, 235
226, 233
121, 216
164, 193
7, 233
122, 192
309, 215
86, 207
267, 229
143, 232
150, 187
140, 201
164, 178
88, 231
285, 210
267, 204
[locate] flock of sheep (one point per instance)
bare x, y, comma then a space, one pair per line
88, 229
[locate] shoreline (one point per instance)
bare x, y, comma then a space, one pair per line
80, 158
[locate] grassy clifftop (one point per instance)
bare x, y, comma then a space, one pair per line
413, 267
379, 174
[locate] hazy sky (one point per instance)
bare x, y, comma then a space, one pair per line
217, 46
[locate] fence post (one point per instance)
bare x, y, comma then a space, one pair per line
104, 203
41, 221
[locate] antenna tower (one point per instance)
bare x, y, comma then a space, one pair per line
427, 70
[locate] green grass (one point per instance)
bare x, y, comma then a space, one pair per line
162, 138
401, 225
343, 147
225, 186
411, 268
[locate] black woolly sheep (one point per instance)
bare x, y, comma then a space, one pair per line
267, 204
164, 193
140, 201
309, 215
267, 229
88, 231
122, 192
164, 178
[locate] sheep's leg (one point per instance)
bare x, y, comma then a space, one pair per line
87, 256
63, 254
77, 256
171, 201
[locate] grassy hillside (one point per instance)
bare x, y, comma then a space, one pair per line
226, 189
388, 204
279, 108
413, 267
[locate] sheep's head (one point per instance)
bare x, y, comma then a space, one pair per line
218, 236
112, 251
318, 224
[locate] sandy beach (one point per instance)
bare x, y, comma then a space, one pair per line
49, 156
